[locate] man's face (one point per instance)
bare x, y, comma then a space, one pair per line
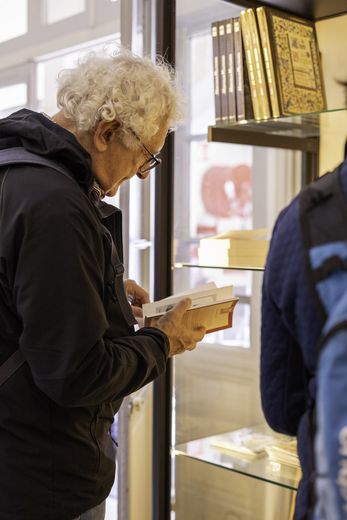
119, 163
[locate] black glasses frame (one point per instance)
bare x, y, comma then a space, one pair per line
153, 160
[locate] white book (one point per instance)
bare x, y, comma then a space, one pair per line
235, 248
212, 307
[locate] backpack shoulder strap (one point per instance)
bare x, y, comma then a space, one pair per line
8, 157
11, 365
19, 155
323, 221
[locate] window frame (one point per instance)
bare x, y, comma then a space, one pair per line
99, 19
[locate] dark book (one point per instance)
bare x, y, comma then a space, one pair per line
230, 62
223, 72
290, 47
244, 106
216, 71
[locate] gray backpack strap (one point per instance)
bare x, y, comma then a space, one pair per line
10, 366
19, 155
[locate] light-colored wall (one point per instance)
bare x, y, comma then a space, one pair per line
332, 40
140, 455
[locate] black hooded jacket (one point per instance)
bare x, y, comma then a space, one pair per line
82, 354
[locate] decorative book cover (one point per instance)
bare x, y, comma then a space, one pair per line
243, 99
295, 58
216, 71
230, 70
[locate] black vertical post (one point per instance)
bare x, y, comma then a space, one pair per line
165, 37
309, 167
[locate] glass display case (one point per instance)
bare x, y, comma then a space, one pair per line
216, 387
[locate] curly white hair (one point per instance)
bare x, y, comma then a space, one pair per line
123, 87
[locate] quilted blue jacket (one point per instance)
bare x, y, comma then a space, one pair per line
291, 326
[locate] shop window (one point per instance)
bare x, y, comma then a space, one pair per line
48, 68
13, 19
57, 11
12, 97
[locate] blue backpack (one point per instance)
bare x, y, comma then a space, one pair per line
323, 219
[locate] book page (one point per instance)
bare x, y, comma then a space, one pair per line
199, 299
205, 287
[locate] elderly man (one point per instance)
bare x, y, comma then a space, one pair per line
64, 309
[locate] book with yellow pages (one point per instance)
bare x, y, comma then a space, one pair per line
212, 307
284, 452
258, 441
260, 77
268, 62
290, 49
243, 248
250, 62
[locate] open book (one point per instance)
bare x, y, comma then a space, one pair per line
212, 307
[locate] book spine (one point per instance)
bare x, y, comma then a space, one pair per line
248, 104
216, 74
238, 59
246, 38
223, 72
258, 65
268, 61
231, 87
244, 105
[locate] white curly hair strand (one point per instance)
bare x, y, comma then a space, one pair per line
122, 87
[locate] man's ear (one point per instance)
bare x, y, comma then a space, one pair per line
105, 133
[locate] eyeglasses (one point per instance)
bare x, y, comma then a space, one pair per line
151, 162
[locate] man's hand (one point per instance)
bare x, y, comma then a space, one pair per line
181, 338
137, 296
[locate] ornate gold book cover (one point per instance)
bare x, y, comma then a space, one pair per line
296, 60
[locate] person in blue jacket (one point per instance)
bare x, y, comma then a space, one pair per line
291, 326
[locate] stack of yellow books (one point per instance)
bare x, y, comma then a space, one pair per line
244, 248
284, 452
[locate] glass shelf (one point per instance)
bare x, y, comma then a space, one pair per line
262, 468
179, 265
297, 132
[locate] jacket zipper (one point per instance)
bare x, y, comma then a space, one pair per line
94, 436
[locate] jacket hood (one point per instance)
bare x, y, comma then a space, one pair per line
38, 134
